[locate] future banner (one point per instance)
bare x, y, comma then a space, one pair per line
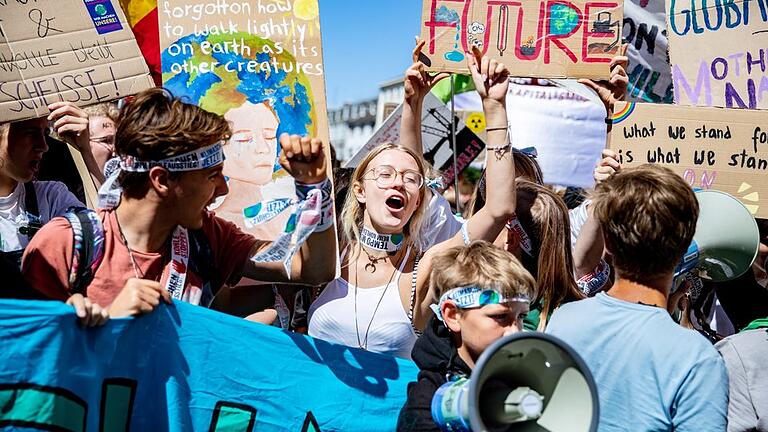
534, 38
711, 148
184, 368
719, 52
80, 51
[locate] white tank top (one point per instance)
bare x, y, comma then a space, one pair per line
332, 316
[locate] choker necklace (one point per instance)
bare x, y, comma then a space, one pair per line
389, 243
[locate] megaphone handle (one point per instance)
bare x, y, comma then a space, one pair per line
704, 327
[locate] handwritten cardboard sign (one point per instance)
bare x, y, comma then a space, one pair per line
535, 38
65, 50
719, 52
650, 77
711, 148
260, 65
436, 139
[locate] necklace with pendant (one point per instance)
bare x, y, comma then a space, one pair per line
364, 342
370, 267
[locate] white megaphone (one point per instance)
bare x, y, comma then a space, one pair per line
726, 240
526, 382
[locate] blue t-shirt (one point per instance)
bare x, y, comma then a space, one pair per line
651, 374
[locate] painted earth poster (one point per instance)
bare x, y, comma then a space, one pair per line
260, 65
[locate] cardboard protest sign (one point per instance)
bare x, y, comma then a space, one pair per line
536, 38
540, 116
650, 76
436, 139
711, 148
719, 52
260, 65
80, 51
187, 368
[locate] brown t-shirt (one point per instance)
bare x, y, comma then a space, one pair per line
48, 257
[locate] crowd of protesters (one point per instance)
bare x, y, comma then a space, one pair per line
415, 281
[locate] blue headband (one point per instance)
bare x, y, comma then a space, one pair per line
473, 296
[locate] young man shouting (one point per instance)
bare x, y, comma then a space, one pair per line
159, 241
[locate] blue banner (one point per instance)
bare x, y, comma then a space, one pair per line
183, 368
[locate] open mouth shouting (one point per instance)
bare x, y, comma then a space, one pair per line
395, 203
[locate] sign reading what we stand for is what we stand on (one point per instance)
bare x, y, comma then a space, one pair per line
711, 148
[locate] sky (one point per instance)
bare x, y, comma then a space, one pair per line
365, 43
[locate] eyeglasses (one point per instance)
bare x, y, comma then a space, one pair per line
385, 175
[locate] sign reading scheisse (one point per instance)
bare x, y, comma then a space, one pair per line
534, 38
80, 51
183, 367
711, 148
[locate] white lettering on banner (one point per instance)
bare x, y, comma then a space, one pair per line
177, 273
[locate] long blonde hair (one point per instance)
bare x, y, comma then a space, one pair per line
546, 221
352, 213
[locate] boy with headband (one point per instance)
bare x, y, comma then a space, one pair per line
156, 238
484, 293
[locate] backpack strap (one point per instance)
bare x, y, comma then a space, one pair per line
88, 247
33, 212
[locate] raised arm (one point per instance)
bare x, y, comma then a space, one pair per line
71, 123
417, 84
615, 89
315, 262
491, 80
589, 246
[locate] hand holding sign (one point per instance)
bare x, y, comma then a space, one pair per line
138, 296
607, 167
490, 76
616, 87
303, 158
417, 81
89, 314
71, 123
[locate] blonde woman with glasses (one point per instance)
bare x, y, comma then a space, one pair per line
380, 302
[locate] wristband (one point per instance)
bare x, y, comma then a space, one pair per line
326, 207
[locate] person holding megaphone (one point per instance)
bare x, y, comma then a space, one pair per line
484, 295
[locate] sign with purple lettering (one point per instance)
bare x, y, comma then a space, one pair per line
719, 52
534, 38
103, 15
